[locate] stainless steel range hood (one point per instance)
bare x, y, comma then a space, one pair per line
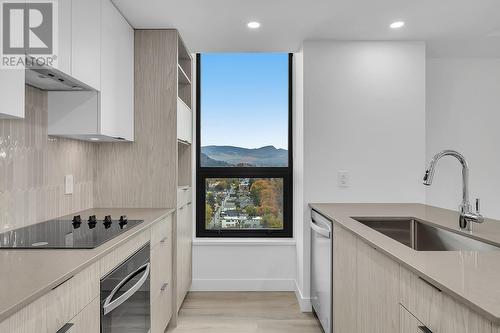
51, 79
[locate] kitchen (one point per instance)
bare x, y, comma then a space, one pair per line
173, 166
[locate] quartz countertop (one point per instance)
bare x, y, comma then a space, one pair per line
471, 277
27, 274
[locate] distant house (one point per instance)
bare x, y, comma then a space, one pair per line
231, 213
229, 223
229, 206
245, 201
254, 223
244, 185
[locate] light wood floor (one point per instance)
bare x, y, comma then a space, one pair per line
243, 312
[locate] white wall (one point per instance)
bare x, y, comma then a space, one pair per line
463, 113
364, 112
243, 265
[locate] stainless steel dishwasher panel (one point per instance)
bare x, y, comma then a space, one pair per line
321, 270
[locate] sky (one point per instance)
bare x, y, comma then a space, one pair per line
244, 99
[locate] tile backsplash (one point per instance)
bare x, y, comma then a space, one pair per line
33, 166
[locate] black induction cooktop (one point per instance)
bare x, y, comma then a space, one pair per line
66, 234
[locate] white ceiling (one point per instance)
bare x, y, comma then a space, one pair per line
220, 25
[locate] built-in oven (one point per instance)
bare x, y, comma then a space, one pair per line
125, 296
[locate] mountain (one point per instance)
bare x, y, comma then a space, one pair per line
267, 156
210, 162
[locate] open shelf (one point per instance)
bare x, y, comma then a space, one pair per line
184, 74
184, 93
183, 78
183, 165
184, 58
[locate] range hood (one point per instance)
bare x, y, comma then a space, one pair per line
51, 79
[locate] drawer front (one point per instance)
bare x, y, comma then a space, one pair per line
184, 196
161, 311
161, 231
436, 310
32, 318
161, 268
68, 299
410, 324
87, 321
121, 253
420, 298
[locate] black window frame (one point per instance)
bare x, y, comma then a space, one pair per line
286, 173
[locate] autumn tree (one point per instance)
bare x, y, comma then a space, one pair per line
208, 214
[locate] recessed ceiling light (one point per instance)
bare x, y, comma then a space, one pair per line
397, 25
253, 25
94, 139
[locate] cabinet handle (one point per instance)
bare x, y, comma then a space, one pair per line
165, 285
430, 284
424, 329
185, 142
60, 284
65, 328
164, 239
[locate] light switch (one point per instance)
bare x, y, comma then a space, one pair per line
68, 184
343, 178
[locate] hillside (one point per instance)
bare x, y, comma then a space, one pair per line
267, 156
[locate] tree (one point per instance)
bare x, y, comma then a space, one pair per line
211, 199
208, 214
251, 211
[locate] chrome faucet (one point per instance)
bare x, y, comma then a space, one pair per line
466, 214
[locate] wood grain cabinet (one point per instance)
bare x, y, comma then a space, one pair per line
74, 305
68, 299
184, 252
184, 228
377, 291
161, 275
389, 298
344, 280
436, 310
410, 324
88, 320
32, 318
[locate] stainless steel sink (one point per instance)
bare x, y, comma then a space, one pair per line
422, 236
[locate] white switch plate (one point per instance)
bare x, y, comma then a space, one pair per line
343, 178
68, 184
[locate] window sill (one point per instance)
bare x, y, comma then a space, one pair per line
243, 242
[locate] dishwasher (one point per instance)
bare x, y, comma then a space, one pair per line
321, 270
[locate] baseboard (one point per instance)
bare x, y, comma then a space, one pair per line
243, 285
304, 302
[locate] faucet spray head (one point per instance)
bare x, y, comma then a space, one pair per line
428, 177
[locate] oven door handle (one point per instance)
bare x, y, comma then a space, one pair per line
110, 306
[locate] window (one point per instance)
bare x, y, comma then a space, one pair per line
244, 164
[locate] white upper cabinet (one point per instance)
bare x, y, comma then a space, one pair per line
86, 41
103, 58
12, 93
117, 74
63, 52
